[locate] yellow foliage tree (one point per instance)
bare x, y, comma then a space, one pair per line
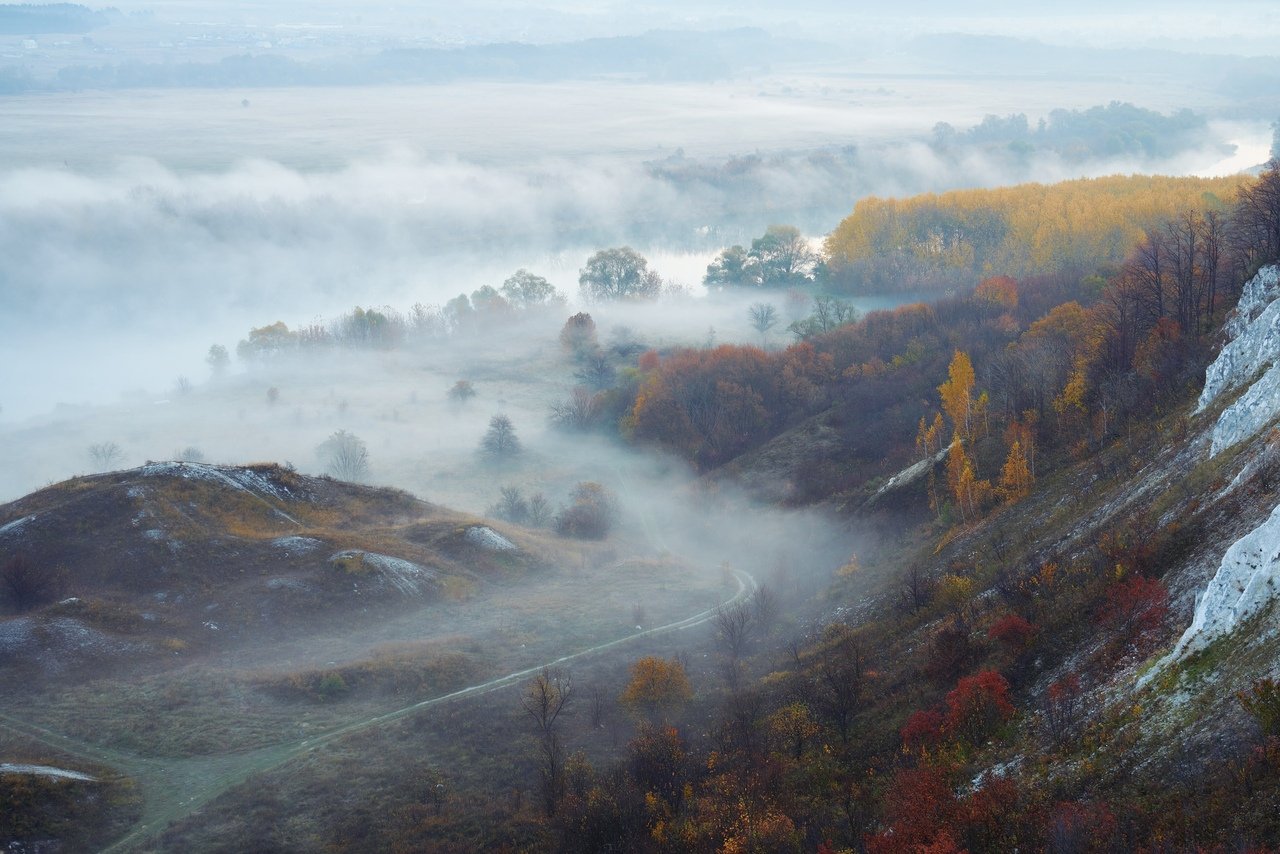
1023, 432
657, 686
793, 727
970, 494
1015, 477
1017, 230
929, 437
957, 395
1070, 403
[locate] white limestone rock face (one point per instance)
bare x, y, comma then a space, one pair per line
1258, 293
1254, 348
1250, 413
1246, 582
1255, 338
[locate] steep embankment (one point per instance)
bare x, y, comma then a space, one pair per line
1248, 579
1195, 505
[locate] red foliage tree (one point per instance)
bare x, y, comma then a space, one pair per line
922, 730
1012, 631
1062, 708
1001, 290
990, 815
1134, 608
918, 808
977, 705
1084, 827
712, 405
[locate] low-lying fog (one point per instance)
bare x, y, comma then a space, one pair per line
138, 226
119, 272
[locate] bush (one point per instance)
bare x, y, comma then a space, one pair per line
1012, 631
24, 586
345, 456
589, 515
1262, 702
461, 391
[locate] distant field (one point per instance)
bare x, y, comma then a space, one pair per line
316, 128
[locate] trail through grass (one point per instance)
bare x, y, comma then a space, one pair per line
174, 788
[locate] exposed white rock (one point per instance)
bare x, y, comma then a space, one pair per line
15, 526
45, 771
284, 583
405, 576
487, 538
55, 643
243, 479
297, 545
911, 473
1246, 582
1258, 293
1255, 338
1252, 411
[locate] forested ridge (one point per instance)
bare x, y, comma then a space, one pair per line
976, 706
943, 239
968, 679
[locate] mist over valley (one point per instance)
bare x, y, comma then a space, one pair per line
654, 427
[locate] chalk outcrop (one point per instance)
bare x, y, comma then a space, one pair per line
1244, 585
1254, 348
487, 538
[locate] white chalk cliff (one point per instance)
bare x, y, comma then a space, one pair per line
1254, 347
1245, 583
1248, 578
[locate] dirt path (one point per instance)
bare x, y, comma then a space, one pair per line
174, 788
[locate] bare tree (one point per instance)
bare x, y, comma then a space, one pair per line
23, 585
345, 456
764, 604
544, 699
599, 707
105, 455
595, 371
1256, 219
580, 412
917, 589
499, 442
764, 316
734, 626
839, 676
1147, 272
512, 506
540, 512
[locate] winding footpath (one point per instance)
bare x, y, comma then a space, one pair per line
172, 789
